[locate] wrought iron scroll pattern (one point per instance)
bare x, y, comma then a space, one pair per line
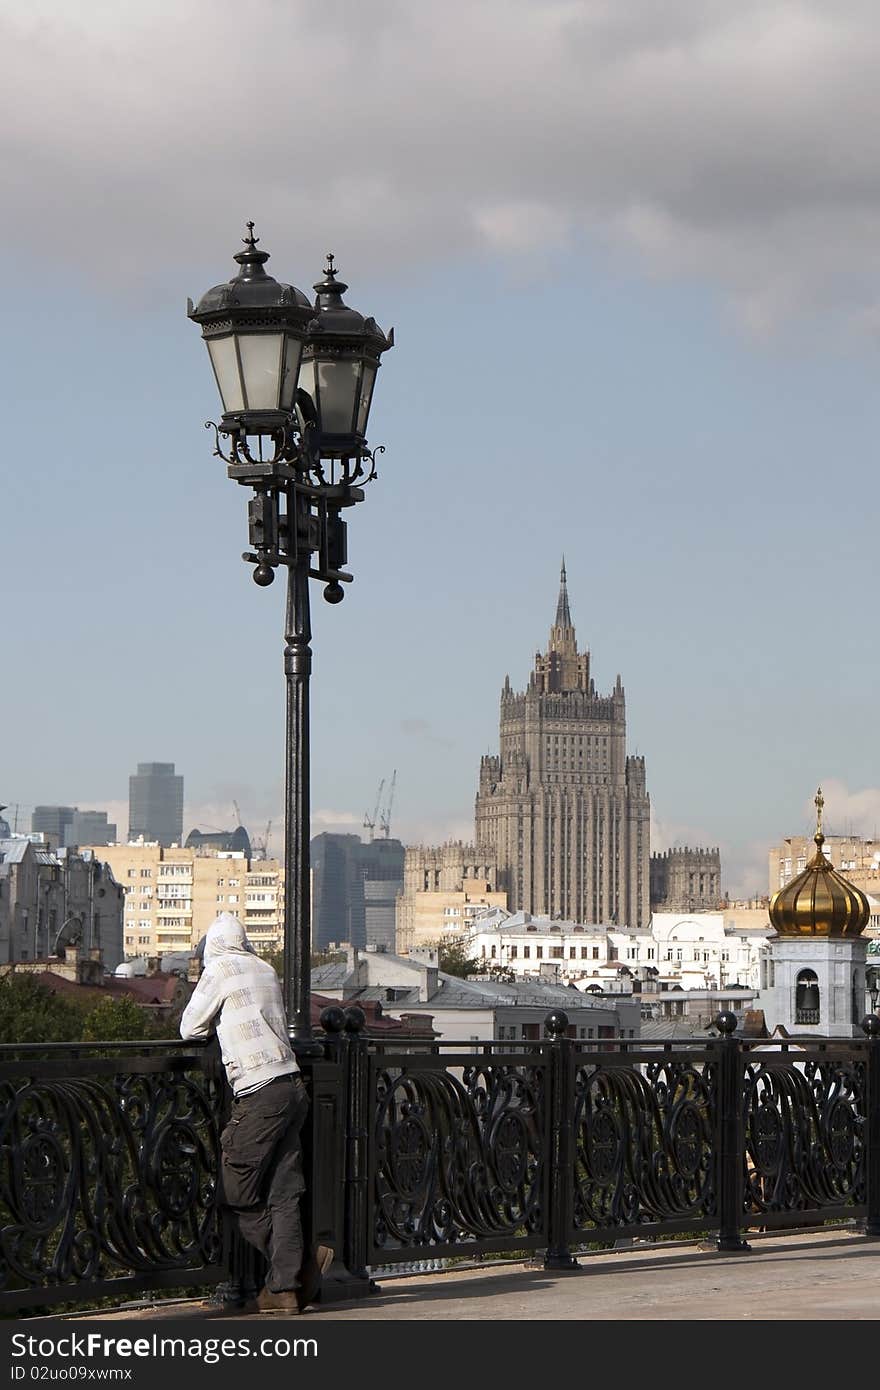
644, 1144
460, 1154
104, 1177
804, 1127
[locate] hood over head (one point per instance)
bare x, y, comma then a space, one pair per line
226, 936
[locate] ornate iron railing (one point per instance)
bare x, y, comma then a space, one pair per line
108, 1163
563, 1145
460, 1152
109, 1153
805, 1113
645, 1130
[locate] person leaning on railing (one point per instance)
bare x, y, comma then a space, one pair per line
261, 1174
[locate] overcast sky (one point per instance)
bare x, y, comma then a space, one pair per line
632, 256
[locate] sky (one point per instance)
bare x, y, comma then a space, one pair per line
631, 254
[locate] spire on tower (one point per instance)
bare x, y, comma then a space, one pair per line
562, 667
563, 616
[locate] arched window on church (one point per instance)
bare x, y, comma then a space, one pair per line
806, 1001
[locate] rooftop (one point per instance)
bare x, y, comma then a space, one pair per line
453, 992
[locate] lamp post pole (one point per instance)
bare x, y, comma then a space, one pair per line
296, 381
297, 808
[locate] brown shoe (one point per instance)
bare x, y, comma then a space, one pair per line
314, 1268
284, 1302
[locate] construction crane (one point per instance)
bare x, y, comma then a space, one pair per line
262, 846
385, 817
370, 821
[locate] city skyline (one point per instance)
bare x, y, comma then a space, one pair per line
696, 431
848, 812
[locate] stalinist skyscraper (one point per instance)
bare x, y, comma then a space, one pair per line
563, 808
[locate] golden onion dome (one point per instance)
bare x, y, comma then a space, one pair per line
820, 901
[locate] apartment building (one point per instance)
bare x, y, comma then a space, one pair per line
172, 895
445, 889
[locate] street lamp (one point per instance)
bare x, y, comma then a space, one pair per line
296, 384
872, 980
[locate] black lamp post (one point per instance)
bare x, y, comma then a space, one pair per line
296, 382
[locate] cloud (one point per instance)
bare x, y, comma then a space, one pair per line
846, 812
668, 834
743, 863
216, 813
744, 869
336, 822
737, 144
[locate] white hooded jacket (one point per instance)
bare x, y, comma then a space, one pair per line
244, 991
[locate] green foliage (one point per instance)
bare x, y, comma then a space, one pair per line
454, 959
276, 959
116, 1020
29, 1013
501, 974
326, 958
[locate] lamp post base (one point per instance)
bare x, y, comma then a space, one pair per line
732, 1245
561, 1260
339, 1286
307, 1049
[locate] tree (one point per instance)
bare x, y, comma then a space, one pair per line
30, 1013
501, 974
117, 1020
276, 959
454, 959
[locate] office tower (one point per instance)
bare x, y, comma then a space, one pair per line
53, 822
337, 891
354, 890
90, 828
381, 863
155, 804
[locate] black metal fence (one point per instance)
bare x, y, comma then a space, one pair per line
108, 1153
108, 1159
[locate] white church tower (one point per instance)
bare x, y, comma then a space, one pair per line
814, 970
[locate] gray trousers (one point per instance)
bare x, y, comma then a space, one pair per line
261, 1175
